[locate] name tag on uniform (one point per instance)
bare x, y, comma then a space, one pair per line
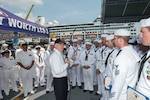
101, 63
135, 95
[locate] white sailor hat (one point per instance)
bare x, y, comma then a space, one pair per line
67, 40
38, 46
67, 43
145, 22
74, 40
24, 43
4, 51
4, 45
104, 35
99, 41
96, 40
88, 40
122, 32
52, 43
80, 38
54, 39
110, 37
88, 43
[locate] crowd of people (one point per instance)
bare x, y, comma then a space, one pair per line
112, 62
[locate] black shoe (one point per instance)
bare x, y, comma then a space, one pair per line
91, 92
84, 90
80, 87
47, 92
73, 87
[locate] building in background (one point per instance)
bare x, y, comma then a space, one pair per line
92, 30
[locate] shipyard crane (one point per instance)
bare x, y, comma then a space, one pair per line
27, 16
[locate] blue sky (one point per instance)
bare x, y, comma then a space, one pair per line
63, 11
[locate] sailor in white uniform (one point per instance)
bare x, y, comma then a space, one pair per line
25, 60
1, 77
143, 84
74, 54
48, 53
125, 69
88, 59
7, 62
1, 80
101, 55
5, 47
39, 67
109, 63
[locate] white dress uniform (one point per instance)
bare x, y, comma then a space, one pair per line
1, 81
125, 73
101, 56
75, 71
48, 70
8, 73
26, 59
108, 71
82, 46
18, 71
39, 69
143, 84
95, 75
88, 58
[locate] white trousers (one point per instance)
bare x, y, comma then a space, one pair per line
101, 86
49, 80
27, 80
39, 76
9, 75
88, 77
1, 80
76, 76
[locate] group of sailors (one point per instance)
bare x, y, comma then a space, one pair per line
110, 62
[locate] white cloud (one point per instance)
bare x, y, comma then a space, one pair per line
23, 15
23, 4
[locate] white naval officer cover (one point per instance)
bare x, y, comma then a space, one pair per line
135, 95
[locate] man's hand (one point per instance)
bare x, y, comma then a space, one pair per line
98, 71
86, 67
75, 65
68, 61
